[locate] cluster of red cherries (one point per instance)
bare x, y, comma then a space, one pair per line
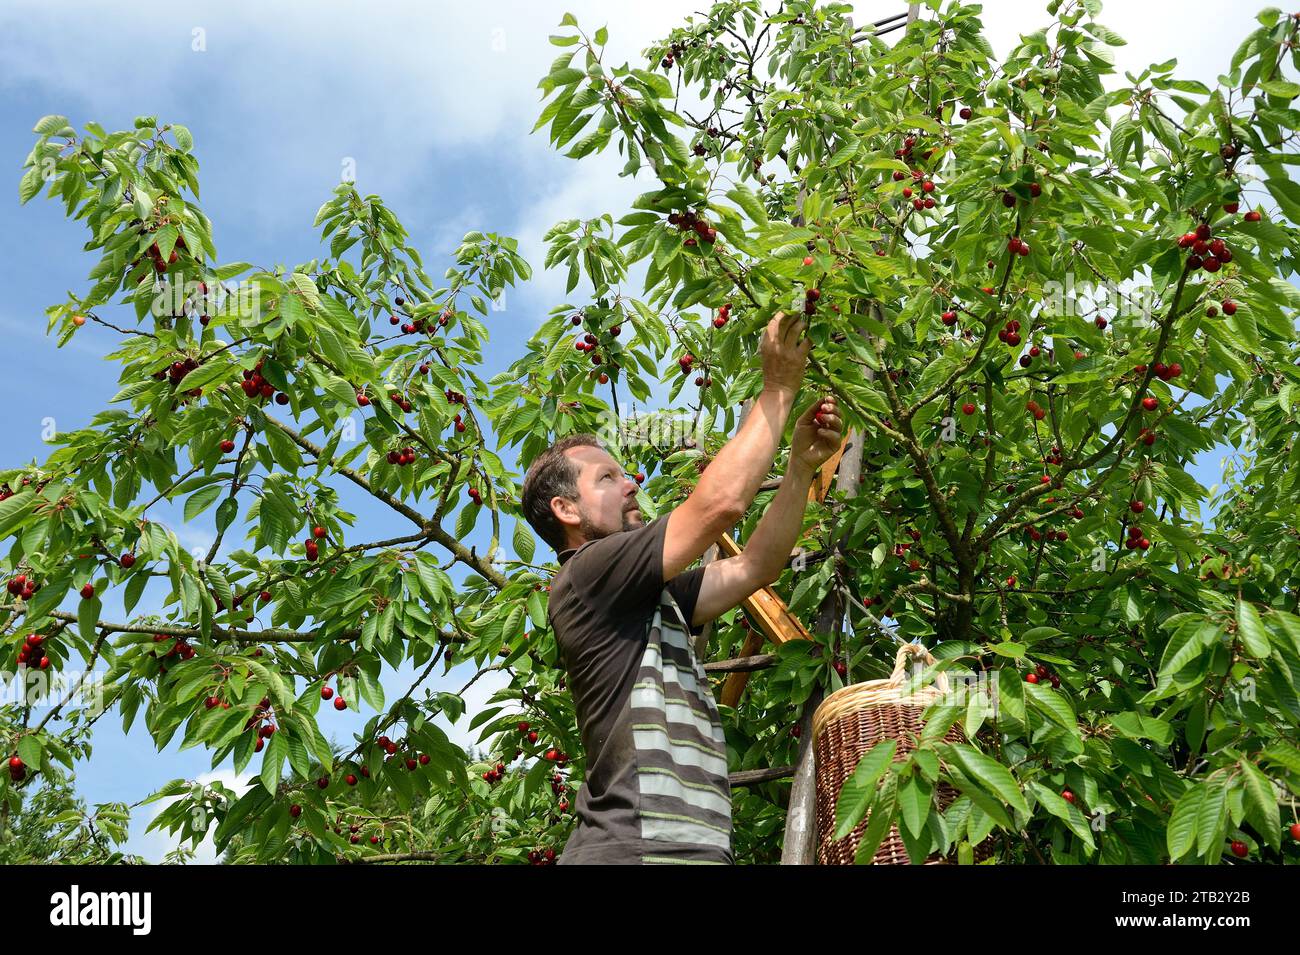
1041, 674
32, 654
21, 586
691, 221
310, 545
258, 388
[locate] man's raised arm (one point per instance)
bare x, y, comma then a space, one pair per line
728, 485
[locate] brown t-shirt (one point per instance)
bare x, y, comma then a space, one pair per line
656, 786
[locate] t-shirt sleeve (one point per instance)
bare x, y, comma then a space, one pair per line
623, 571
685, 588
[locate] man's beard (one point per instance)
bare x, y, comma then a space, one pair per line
591, 532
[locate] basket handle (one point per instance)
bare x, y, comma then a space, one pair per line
908, 650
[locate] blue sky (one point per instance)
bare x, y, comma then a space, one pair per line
433, 102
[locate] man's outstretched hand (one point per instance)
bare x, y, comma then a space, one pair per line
817, 434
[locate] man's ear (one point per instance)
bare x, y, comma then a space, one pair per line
566, 511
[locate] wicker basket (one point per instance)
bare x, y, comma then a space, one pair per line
850, 722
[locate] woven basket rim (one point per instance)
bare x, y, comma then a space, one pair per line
872, 693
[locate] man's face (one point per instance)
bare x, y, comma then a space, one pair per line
606, 497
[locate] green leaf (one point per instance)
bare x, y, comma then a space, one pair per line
1054, 706
88, 617
523, 542
984, 769
134, 588
200, 500
14, 511
1064, 810
878, 823
1138, 726
30, 184
1261, 803
272, 760
856, 794
371, 691
914, 800
30, 748
1181, 834
1283, 88
753, 207
1209, 816
1251, 630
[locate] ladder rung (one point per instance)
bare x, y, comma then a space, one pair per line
752, 777
760, 661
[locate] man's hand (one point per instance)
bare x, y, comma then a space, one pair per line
784, 351
816, 434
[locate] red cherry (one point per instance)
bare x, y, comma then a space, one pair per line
1067, 795
1295, 831
350, 779
268, 731
1031, 677
1150, 403
1229, 307
1137, 507
87, 591
323, 782
318, 532
340, 703
1252, 216
227, 446
807, 260
968, 408
1239, 849
363, 400
326, 692
127, 560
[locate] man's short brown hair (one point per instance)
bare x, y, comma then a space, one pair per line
553, 474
